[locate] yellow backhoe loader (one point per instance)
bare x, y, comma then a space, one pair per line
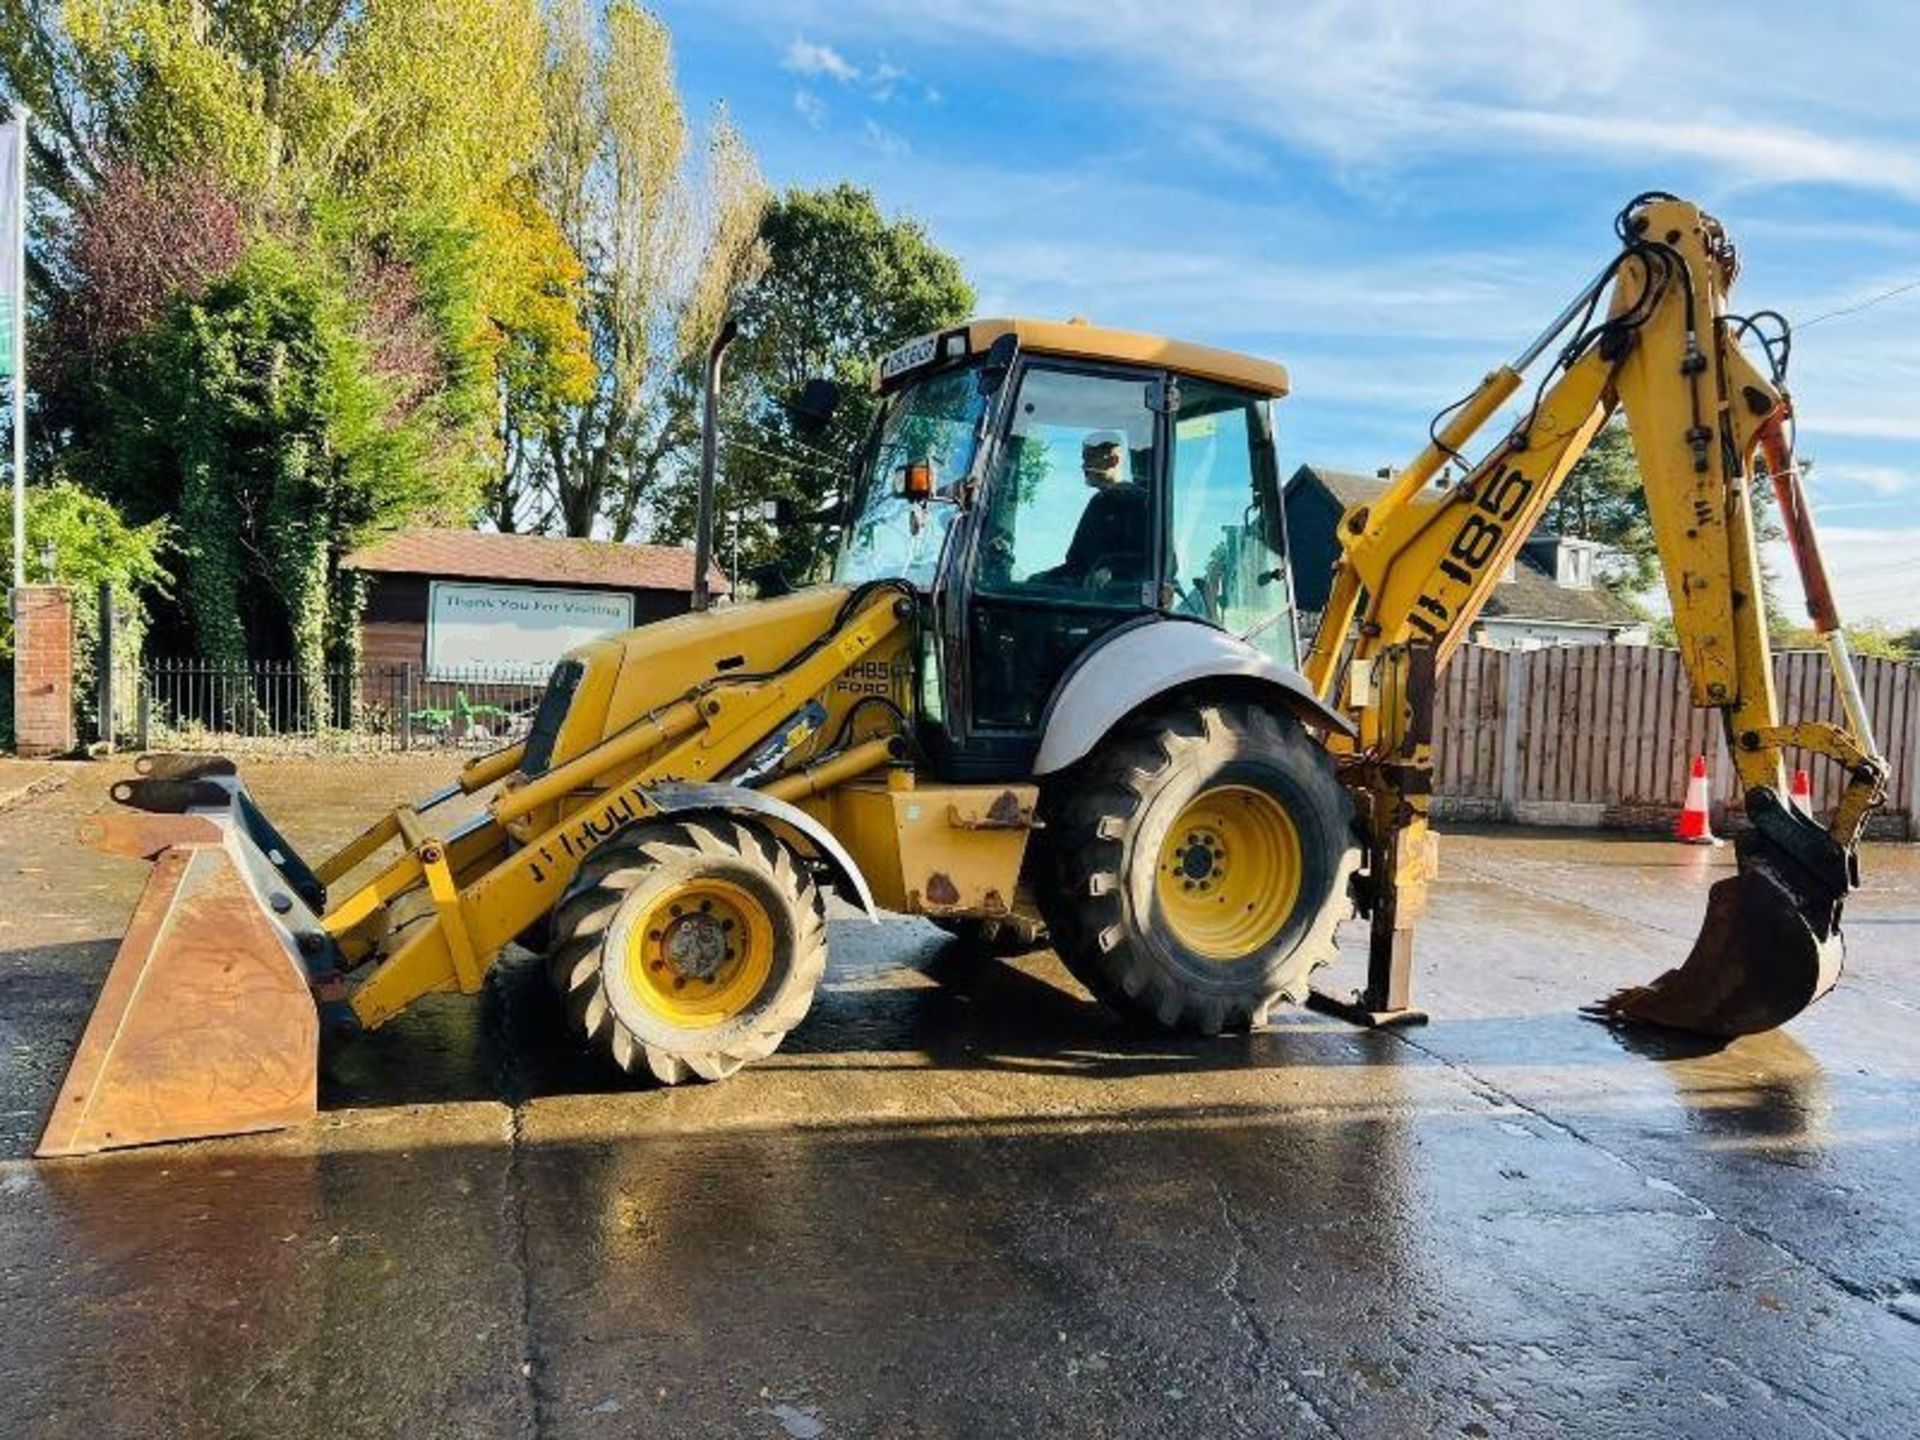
1052, 684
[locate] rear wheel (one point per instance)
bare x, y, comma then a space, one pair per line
688, 948
1199, 862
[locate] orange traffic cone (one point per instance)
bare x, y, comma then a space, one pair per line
1695, 827
1801, 796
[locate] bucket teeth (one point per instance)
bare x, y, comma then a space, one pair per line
1770, 944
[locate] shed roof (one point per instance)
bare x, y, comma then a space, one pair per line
530, 559
1349, 487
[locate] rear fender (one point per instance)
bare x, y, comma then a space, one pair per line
1140, 663
683, 798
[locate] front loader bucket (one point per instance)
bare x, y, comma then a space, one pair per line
206, 1024
1770, 945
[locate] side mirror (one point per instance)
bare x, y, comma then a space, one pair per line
813, 411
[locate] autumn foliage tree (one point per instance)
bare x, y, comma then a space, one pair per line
316, 269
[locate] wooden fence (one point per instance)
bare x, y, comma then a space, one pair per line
1604, 735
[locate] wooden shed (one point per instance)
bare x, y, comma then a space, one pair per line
453, 601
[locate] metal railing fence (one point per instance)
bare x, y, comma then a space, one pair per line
196, 704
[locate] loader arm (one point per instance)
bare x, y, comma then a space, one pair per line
1418, 565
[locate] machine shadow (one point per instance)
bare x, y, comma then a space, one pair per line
936, 1006
943, 1007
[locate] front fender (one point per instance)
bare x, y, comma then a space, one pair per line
1139, 663
678, 797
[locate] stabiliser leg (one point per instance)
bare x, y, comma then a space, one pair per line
1393, 787
1402, 868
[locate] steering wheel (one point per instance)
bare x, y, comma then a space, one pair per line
1099, 575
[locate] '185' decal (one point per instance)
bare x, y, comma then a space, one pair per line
1476, 542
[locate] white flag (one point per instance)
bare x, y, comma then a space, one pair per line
13, 289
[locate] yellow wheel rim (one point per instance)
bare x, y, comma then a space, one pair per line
701, 953
1228, 874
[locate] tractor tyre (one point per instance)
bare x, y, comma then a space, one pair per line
683, 949
999, 936
1198, 862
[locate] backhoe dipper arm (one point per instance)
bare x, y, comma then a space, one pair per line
1418, 565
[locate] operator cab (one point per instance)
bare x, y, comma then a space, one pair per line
1046, 485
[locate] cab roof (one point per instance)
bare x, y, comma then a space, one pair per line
1081, 341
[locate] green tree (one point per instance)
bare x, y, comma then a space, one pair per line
254, 418
842, 284
90, 544
1604, 499
1871, 638
389, 145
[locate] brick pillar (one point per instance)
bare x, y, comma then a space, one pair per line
43, 670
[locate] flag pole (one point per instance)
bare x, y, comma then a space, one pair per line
19, 367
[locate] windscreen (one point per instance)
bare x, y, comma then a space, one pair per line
936, 422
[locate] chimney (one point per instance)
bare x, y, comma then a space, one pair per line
1568, 561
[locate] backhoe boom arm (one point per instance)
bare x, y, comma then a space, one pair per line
1418, 565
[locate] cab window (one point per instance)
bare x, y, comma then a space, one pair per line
1223, 562
1070, 511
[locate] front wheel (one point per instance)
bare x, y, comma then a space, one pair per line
1199, 862
687, 948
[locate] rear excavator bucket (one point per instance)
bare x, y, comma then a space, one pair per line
1771, 943
206, 1024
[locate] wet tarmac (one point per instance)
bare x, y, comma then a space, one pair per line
963, 1201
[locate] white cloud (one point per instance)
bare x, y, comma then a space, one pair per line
884, 81
1478, 143
805, 57
1214, 145
1883, 480
1373, 83
1871, 571
888, 142
811, 108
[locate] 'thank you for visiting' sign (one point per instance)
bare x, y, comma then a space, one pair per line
515, 625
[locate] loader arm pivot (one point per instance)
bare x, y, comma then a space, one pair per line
1417, 566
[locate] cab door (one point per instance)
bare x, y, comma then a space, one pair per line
1063, 545
1225, 560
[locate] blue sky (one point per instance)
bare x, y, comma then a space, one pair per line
1390, 196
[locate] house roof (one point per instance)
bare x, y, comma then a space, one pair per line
1531, 593
1347, 486
531, 559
